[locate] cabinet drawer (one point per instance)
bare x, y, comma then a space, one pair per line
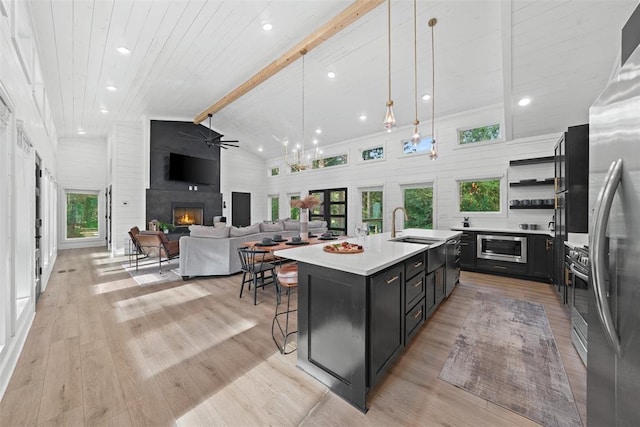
413, 291
413, 320
501, 266
414, 265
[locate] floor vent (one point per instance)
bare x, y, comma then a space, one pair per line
71, 269
61, 271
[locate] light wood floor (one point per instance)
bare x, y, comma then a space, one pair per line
105, 351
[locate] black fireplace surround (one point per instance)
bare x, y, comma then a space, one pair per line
164, 194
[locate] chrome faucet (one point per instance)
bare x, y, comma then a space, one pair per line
393, 220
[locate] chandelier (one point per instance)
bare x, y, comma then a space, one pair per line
297, 157
433, 153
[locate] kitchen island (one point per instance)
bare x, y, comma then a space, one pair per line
357, 312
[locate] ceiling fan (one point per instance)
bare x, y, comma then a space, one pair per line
211, 140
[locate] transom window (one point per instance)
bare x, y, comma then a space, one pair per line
479, 134
274, 171
376, 153
329, 161
422, 147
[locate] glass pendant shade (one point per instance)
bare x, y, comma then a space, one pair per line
415, 138
389, 118
433, 154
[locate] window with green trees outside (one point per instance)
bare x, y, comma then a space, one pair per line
372, 210
480, 196
274, 203
418, 203
82, 215
295, 212
483, 133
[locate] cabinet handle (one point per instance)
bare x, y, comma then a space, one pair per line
418, 283
417, 264
418, 314
499, 267
393, 279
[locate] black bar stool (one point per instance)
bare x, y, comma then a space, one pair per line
287, 280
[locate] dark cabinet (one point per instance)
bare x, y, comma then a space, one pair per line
414, 319
541, 257
386, 316
468, 250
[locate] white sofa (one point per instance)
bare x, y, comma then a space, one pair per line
213, 251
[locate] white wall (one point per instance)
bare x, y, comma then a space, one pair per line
23, 91
455, 162
128, 160
82, 166
241, 171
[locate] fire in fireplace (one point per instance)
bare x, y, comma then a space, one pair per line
183, 216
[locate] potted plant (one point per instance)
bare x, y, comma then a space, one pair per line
166, 227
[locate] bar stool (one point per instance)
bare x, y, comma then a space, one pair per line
286, 279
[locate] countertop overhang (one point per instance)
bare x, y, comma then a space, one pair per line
380, 251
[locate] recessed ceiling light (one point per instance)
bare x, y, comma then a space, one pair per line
315, 141
331, 74
426, 97
81, 132
260, 149
318, 131
524, 102
123, 50
363, 117
267, 26
104, 111
112, 88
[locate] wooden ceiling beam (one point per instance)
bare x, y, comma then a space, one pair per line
345, 18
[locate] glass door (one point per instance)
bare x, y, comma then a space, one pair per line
333, 209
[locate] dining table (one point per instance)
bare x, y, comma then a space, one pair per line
287, 243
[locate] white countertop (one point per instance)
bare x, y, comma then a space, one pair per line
505, 230
379, 251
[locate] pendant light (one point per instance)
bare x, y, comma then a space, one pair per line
298, 160
389, 118
415, 138
433, 154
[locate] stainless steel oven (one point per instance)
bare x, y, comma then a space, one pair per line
577, 264
502, 248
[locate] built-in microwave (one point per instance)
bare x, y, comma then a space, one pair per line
502, 248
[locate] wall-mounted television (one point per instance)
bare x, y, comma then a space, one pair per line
195, 170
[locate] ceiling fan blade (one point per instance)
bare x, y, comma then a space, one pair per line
188, 135
233, 141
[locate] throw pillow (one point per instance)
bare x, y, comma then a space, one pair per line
271, 226
245, 231
317, 224
206, 231
291, 224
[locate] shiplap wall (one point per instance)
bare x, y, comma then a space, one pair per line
241, 171
128, 168
20, 89
398, 171
82, 167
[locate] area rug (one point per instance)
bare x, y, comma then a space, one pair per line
148, 273
505, 353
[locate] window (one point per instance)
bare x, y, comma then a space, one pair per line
329, 161
376, 153
333, 209
274, 171
82, 215
480, 195
372, 209
418, 203
295, 212
274, 207
484, 133
422, 147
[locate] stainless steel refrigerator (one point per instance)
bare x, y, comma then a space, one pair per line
613, 372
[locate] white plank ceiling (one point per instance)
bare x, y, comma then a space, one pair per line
185, 55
